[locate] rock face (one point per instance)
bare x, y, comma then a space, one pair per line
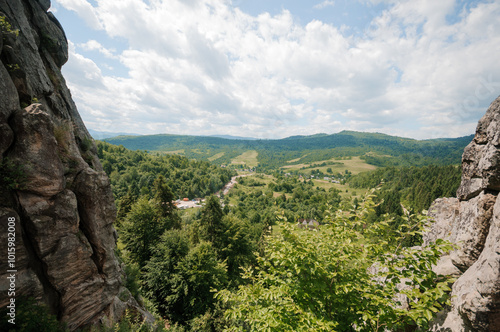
56, 203
472, 222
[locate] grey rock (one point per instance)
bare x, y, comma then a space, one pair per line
27, 281
477, 291
37, 150
472, 223
471, 228
44, 4
65, 209
8, 95
481, 158
443, 213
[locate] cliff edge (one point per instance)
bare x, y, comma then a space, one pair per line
56, 205
472, 222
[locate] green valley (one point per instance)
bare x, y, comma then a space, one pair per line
190, 247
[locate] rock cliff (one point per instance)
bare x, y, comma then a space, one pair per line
472, 222
56, 203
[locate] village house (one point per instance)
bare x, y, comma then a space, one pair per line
310, 224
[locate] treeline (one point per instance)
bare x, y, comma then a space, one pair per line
137, 170
414, 187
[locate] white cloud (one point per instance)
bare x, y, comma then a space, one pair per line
324, 4
413, 74
93, 45
84, 9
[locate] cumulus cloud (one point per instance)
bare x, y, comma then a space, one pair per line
84, 9
93, 45
413, 73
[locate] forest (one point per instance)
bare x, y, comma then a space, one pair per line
240, 263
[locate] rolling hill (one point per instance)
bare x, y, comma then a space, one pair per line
375, 148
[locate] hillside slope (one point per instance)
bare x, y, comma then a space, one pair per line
376, 149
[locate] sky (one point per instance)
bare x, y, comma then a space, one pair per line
276, 68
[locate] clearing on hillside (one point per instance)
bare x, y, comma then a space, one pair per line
355, 165
216, 156
248, 158
179, 152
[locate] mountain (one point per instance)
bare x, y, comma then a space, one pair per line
234, 137
107, 134
377, 149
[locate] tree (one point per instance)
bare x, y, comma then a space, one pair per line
141, 231
125, 205
339, 279
236, 246
180, 279
161, 280
164, 197
210, 225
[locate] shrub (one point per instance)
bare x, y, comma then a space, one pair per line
345, 277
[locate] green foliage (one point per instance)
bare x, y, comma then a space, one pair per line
12, 67
376, 149
62, 135
179, 278
132, 273
416, 187
132, 322
210, 226
86, 144
139, 169
164, 198
300, 280
140, 231
301, 200
125, 205
185, 265
12, 175
340, 279
31, 316
6, 27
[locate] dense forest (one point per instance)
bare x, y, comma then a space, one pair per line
414, 187
240, 263
136, 171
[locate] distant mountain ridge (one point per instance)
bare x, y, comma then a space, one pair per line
235, 137
96, 134
376, 148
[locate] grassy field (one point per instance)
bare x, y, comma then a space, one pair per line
181, 152
248, 158
355, 165
345, 190
216, 156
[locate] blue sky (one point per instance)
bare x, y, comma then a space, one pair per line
276, 68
